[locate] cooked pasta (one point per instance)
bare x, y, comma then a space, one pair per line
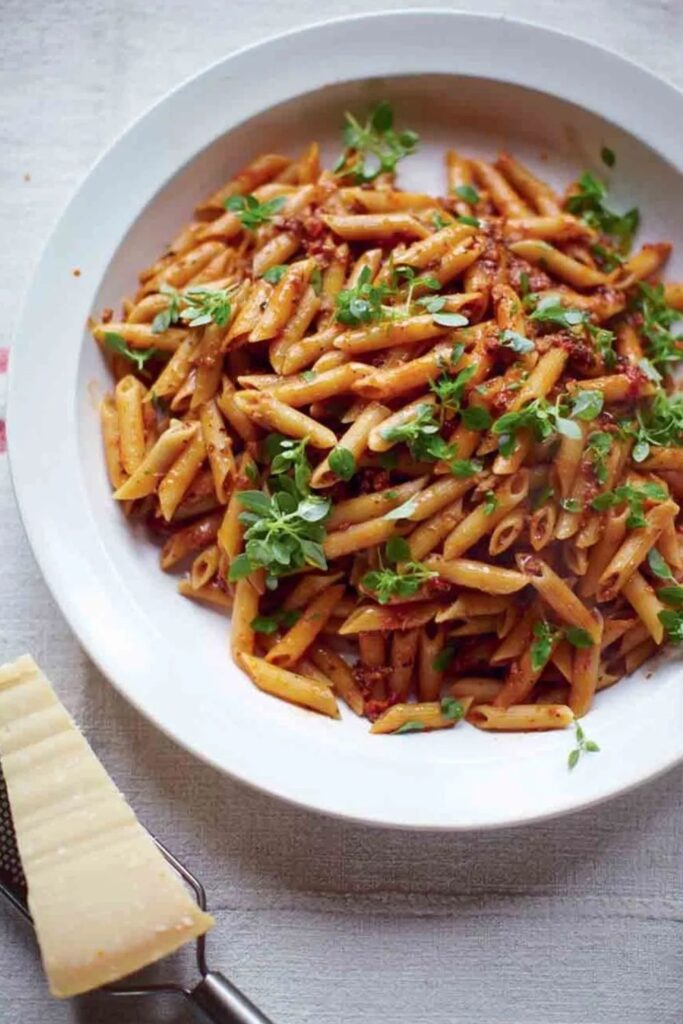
425, 449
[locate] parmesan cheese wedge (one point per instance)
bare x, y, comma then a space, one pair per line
104, 900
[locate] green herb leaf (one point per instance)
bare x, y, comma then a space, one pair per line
672, 596
206, 305
467, 193
274, 274
673, 624
517, 342
316, 280
578, 637
476, 417
490, 502
442, 660
286, 455
386, 584
251, 212
571, 505
658, 317
546, 636
422, 436
471, 221
240, 567
163, 320
264, 624
582, 746
549, 310
659, 423
646, 367
409, 727
607, 259
450, 390
450, 319
285, 530
270, 623
607, 156
588, 202
252, 473
375, 147
388, 460
432, 303
397, 550
598, 447
113, 342
364, 303
452, 708
658, 565
587, 404
466, 467
543, 496
342, 463
403, 511
634, 497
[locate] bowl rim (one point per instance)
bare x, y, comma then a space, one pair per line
417, 47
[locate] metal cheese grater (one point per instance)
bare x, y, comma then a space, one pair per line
214, 1000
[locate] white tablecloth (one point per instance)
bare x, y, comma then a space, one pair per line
578, 920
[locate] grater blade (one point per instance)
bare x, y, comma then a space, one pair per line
12, 881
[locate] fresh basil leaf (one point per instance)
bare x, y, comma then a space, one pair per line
658, 565
397, 550
452, 708
476, 417
467, 193
517, 342
342, 463
578, 637
587, 404
240, 567
273, 274
409, 727
450, 319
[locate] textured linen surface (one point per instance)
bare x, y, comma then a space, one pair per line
577, 920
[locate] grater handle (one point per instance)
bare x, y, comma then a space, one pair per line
215, 1000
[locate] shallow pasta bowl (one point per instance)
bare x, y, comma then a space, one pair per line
170, 657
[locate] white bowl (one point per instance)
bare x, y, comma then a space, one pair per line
475, 82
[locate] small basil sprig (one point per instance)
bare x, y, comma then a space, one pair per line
251, 213
583, 746
114, 343
375, 147
400, 582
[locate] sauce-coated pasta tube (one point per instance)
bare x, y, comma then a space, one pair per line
355, 441
521, 717
157, 462
290, 686
634, 550
491, 579
535, 191
338, 672
270, 412
642, 597
481, 522
556, 593
424, 715
585, 673
291, 647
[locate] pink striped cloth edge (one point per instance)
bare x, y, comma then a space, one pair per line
4, 359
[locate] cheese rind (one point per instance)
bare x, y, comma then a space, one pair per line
104, 900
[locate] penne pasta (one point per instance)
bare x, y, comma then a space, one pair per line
425, 448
